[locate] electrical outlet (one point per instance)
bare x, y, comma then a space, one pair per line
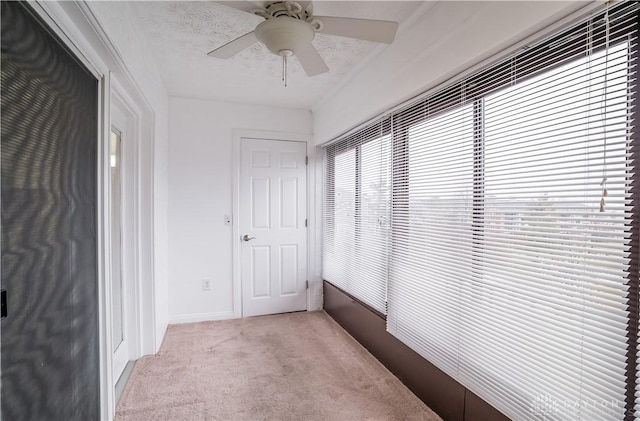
227, 220
206, 284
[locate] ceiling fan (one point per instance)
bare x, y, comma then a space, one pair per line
290, 26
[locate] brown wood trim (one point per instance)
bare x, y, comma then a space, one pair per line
476, 409
439, 391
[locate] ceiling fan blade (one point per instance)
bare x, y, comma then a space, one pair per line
244, 6
304, 4
232, 48
383, 31
311, 61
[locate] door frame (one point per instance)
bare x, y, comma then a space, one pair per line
237, 136
77, 27
130, 217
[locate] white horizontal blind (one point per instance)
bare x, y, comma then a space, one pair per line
432, 233
356, 214
512, 226
547, 311
339, 235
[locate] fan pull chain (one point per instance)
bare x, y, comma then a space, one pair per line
285, 63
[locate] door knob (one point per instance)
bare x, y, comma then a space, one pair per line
247, 238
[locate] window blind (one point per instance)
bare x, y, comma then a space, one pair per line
432, 230
356, 218
513, 240
551, 286
511, 236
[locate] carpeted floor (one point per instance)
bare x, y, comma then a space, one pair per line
297, 366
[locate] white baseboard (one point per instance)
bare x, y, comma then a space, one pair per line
202, 317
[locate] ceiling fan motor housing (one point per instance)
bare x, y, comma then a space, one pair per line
285, 33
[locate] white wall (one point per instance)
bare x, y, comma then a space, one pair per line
117, 20
200, 194
450, 37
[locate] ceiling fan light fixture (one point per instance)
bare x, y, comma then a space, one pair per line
285, 33
290, 26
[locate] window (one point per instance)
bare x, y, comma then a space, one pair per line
432, 233
551, 261
339, 241
512, 253
358, 183
373, 222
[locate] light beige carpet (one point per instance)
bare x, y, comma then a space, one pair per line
298, 366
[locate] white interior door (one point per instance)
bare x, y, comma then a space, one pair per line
273, 208
121, 215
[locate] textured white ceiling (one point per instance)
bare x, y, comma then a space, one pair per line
181, 33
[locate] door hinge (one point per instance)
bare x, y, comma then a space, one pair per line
306, 160
306, 223
307, 282
3, 304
